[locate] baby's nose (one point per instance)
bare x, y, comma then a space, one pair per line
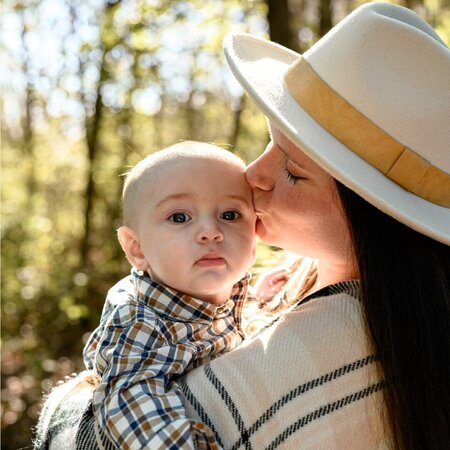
210, 232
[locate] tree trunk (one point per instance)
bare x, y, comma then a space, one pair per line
279, 24
92, 140
27, 120
325, 23
236, 128
92, 128
411, 3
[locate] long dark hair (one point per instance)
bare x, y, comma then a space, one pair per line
405, 290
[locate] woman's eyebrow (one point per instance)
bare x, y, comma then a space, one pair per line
296, 163
282, 150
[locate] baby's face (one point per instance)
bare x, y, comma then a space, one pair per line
197, 227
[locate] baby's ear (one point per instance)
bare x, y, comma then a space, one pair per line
129, 242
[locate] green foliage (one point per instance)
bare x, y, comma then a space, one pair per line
117, 94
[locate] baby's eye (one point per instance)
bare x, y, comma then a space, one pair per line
179, 217
230, 215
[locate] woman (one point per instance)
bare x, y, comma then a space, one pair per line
357, 175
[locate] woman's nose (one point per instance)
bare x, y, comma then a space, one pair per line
260, 172
209, 232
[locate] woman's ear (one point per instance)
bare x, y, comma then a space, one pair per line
129, 242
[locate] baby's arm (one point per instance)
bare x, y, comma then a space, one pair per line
119, 294
270, 283
132, 403
91, 347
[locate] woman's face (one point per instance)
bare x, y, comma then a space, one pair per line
297, 205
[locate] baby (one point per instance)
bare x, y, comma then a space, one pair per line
189, 234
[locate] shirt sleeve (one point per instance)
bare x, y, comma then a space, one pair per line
133, 403
92, 343
120, 293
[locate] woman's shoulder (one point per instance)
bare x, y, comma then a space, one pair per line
326, 326
330, 307
335, 308
310, 378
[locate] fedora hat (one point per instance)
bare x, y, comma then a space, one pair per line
369, 102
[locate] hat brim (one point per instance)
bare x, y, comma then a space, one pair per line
259, 65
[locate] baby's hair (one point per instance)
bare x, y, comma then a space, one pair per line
136, 178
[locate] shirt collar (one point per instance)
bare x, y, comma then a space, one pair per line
350, 287
181, 307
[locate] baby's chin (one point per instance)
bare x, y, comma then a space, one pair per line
215, 296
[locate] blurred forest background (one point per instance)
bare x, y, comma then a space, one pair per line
88, 88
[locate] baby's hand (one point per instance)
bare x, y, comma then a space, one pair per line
270, 283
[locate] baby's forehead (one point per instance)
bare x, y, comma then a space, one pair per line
217, 161
207, 178
179, 162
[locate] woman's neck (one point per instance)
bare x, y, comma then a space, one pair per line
331, 274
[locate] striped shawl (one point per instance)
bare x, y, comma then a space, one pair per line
306, 382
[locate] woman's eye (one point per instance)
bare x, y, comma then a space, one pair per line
179, 217
230, 215
292, 178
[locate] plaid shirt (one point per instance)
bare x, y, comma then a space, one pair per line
147, 337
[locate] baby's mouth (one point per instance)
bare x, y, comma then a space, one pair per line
214, 259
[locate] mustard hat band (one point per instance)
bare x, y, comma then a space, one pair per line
363, 137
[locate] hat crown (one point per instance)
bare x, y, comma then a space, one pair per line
394, 69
